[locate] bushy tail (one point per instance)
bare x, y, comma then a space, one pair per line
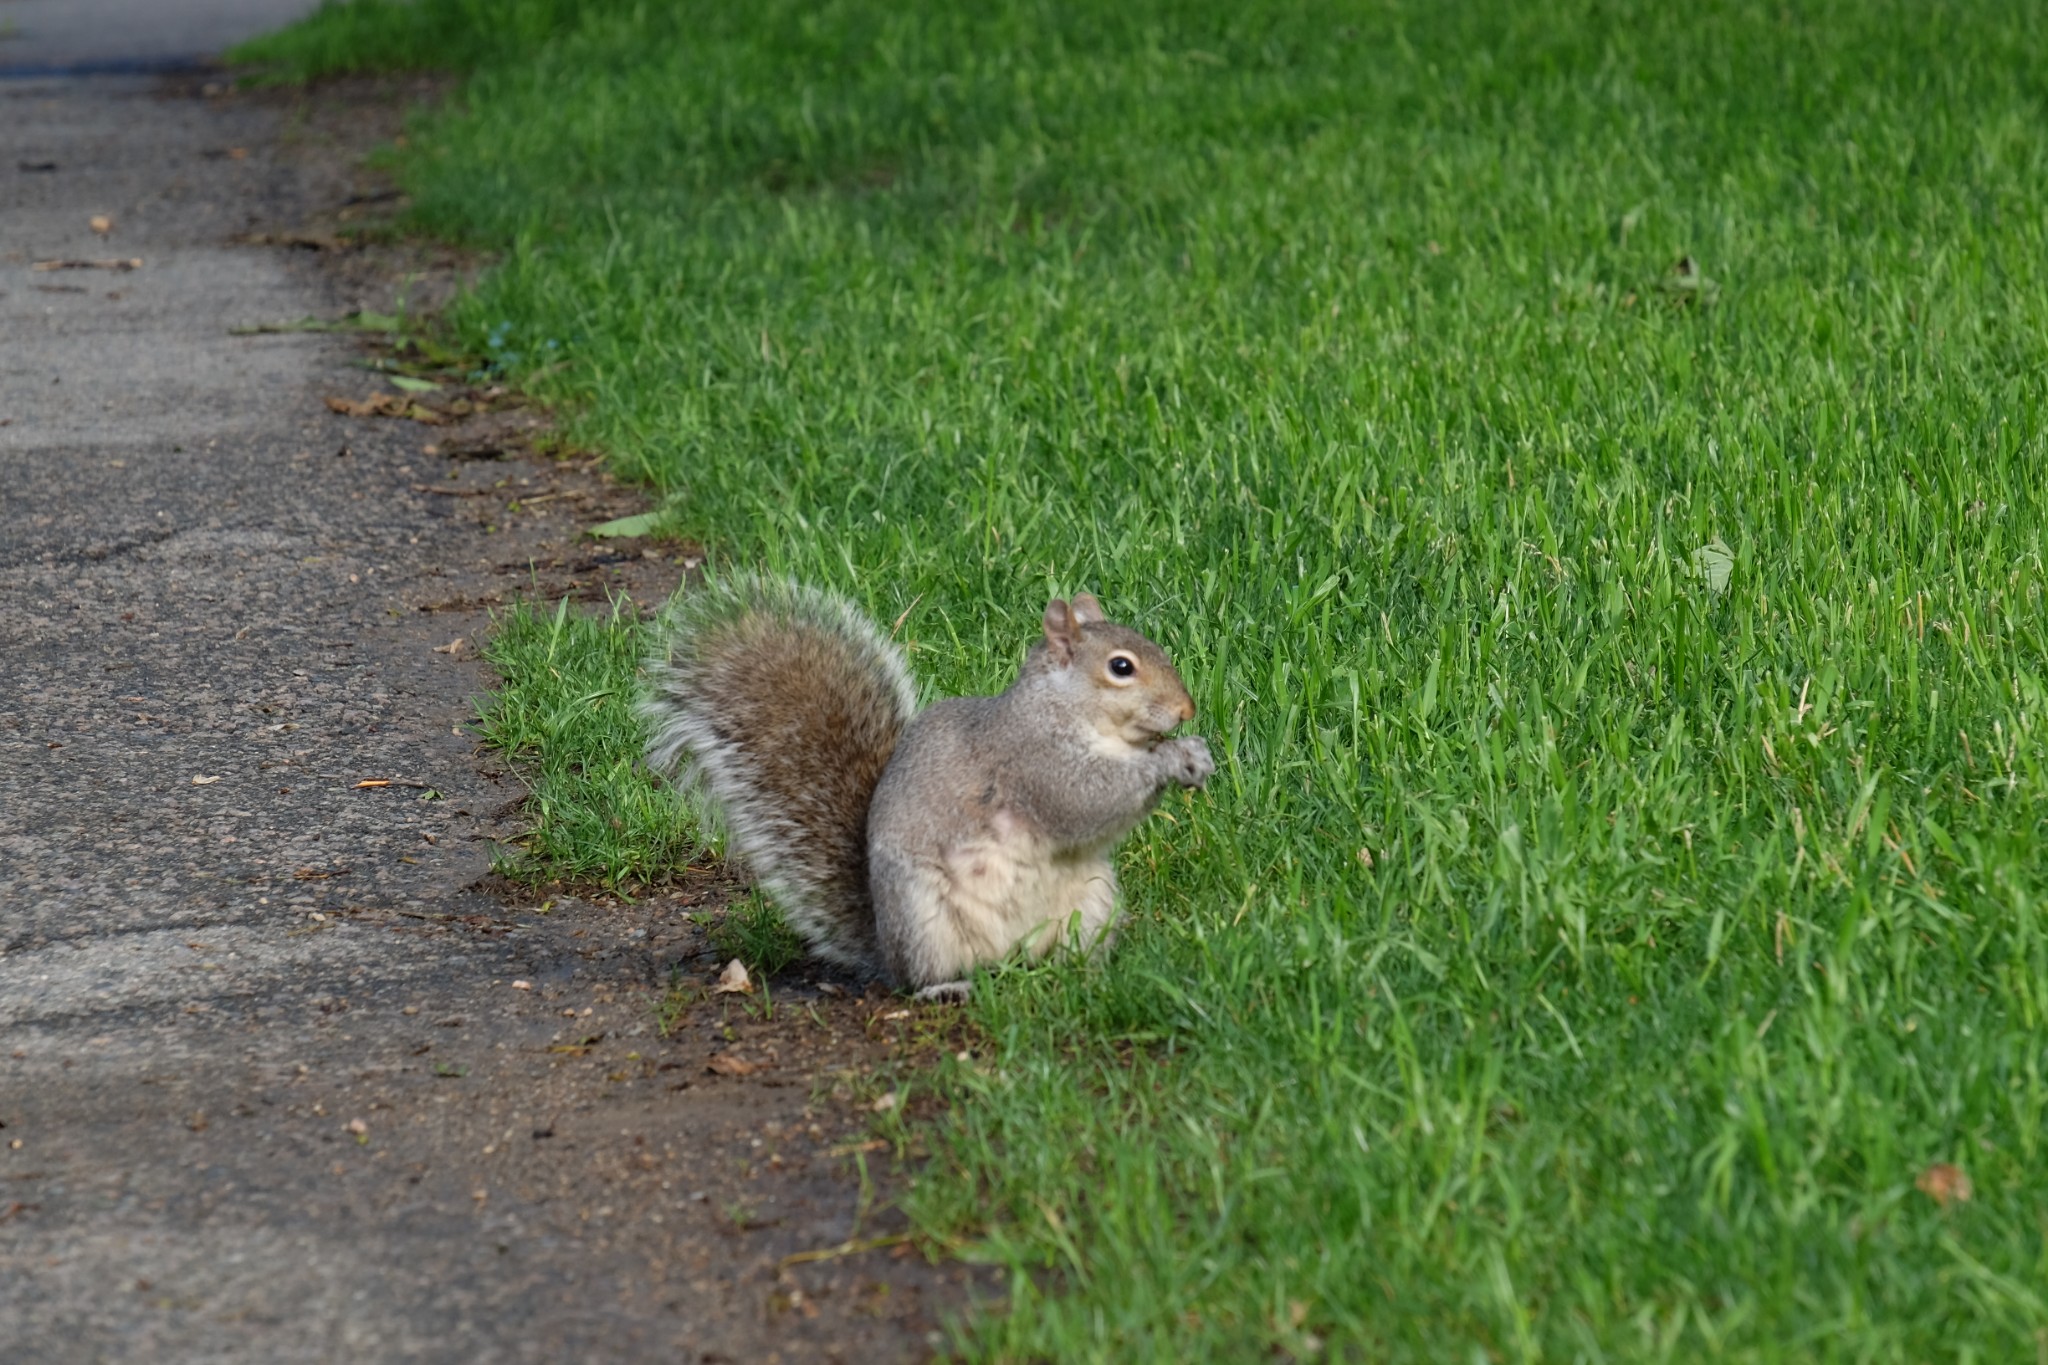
786, 703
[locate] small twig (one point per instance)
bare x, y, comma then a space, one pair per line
132, 263
843, 1249
454, 492
849, 1148
898, 625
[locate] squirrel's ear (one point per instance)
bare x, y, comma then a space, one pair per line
1062, 631
1087, 610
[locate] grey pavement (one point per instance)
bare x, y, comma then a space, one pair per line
194, 595
193, 584
280, 1079
109, 34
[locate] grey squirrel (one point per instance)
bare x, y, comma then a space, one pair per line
913, 845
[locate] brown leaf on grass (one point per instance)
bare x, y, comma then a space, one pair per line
731, 1064
1944, 1184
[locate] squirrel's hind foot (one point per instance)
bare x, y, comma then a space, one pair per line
945, 993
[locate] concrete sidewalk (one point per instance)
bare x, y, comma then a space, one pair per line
51, 36
280, 1079
201, 604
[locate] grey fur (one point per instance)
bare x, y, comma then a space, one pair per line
787, 703
918, 845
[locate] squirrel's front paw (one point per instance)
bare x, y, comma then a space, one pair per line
1188, 761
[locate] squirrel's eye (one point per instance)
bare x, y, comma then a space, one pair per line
1122, 665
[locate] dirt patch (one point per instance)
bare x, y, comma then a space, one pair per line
724, 1143
719, 1153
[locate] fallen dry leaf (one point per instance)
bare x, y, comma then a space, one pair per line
376, 405
454, 646
522, 985
884, 1104
1944, 1184
385, 405
101, 224
731, 1064
734, 980
204, 781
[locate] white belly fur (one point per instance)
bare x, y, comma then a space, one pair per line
1007, 890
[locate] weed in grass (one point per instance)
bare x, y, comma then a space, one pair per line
1624, 879
673, 1006
751, 930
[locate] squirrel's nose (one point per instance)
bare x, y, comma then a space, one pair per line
1187, 708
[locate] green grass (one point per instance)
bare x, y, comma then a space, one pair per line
564, 717
750, 930
1579, 953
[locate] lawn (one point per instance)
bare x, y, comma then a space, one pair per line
1588, 459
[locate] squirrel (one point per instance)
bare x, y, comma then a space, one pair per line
913, 845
